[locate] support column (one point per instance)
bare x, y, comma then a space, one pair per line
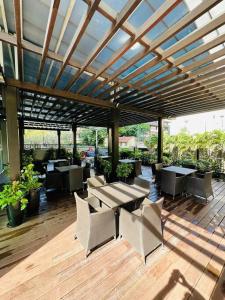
21, 138
160, 141
59, 142
109, 140
114, 140
5, 157
12, 132
74, 129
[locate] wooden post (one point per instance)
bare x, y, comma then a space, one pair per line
197, 154
74, 129
160, 141
59, 141
21, 137
109, 141
5, 157
114, 140
10, 97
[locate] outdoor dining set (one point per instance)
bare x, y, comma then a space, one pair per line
174, 180
118, 209
106, 213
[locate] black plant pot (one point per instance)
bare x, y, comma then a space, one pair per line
15, 215
33, 202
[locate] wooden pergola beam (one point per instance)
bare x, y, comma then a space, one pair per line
160, 90
75, 97
185, 21
122, 17
163, 10
48, 35
18, 25
76, 38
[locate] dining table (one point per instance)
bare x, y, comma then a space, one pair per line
53, 161
180, 170
117, 194
67, 168
127, 161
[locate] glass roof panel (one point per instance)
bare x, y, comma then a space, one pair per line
30, 59
8, 54
141, 14
66, 76
116, 5
34, 24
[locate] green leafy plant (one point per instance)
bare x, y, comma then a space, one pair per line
27, 158
29, 178
13, 194
137, 154
51, 153
106, 166
203, 166
126, 153
124, 170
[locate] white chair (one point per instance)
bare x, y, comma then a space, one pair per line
142, 228
93, 228
74, 179
142, 185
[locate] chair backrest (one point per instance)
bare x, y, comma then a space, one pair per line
158, 166
86, 174
61, 163
142, 182
96, 181
87, 165
208, 177
151, 218
83, 216
76, 179
168, 181
53, 180
138, 167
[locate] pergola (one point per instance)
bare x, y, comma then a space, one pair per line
108, 63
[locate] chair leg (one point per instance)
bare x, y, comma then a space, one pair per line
145, 259
75, 237
88, 252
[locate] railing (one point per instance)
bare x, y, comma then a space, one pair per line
68, 147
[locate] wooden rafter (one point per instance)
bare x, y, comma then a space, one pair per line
75, 97
19, 35
122, 17
185, 21
164, 9
76, 38
50, 26
63, 29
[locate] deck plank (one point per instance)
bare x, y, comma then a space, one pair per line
41, 260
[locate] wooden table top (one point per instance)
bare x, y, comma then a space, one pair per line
117, 194
127, 161
180, 170
53, 161
67, 168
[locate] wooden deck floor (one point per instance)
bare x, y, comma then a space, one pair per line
41, 260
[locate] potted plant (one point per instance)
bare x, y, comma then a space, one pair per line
77, 159
12, 198
123, 171
32, 186
107, 169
